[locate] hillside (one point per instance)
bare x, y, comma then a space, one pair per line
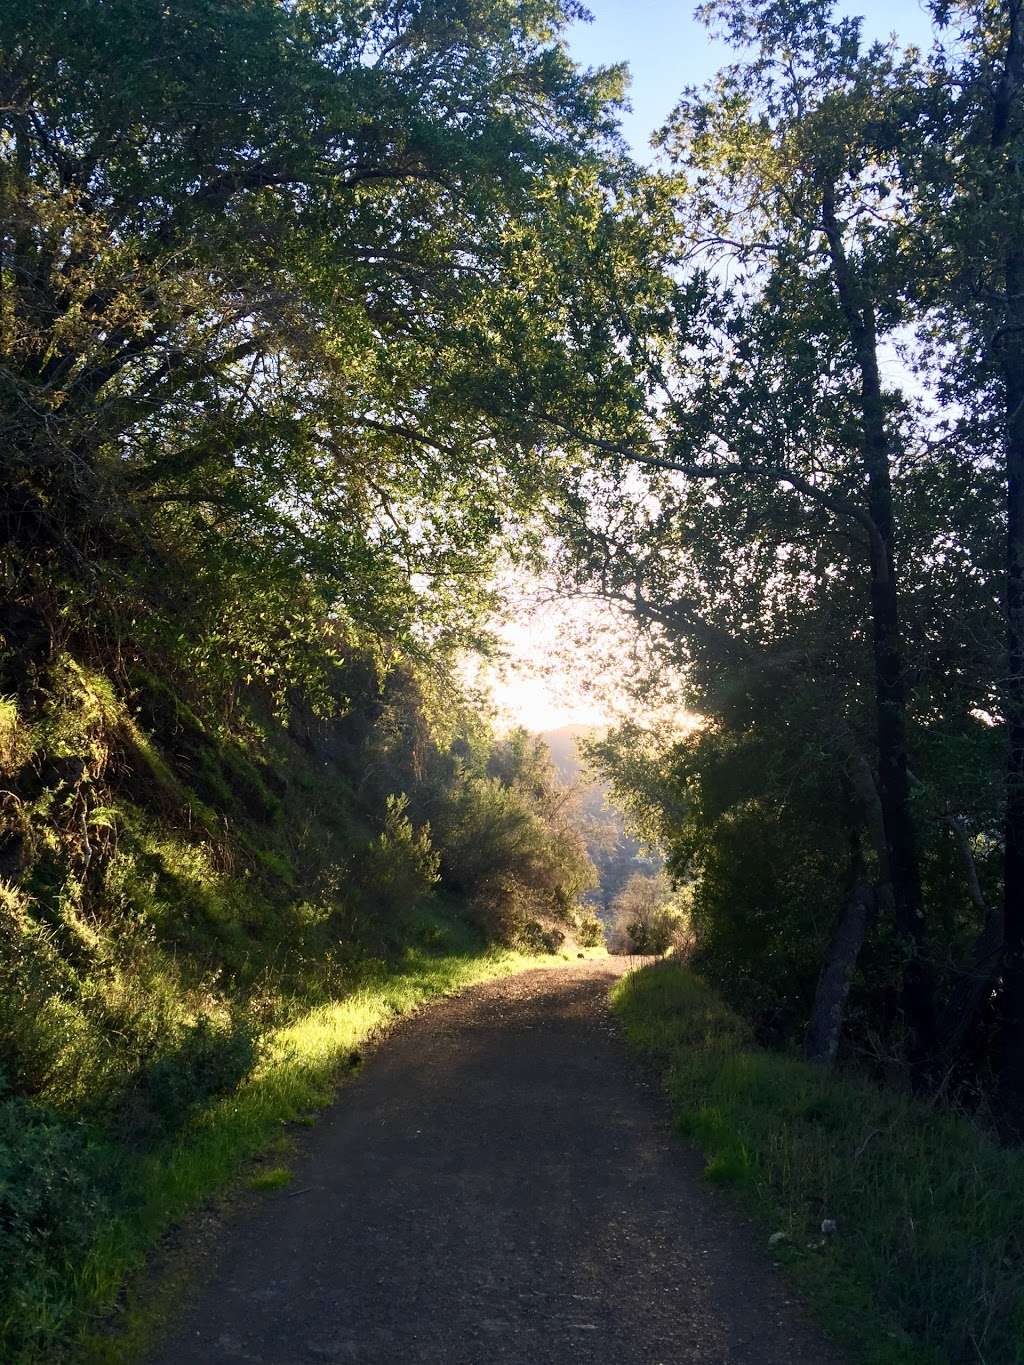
615, 853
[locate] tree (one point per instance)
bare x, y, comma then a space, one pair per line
776, 516
972, 171
647, 918
510, 843
252, 260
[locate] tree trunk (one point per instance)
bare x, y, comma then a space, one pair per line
918, 986
836, 977
1012, 1049
891, 717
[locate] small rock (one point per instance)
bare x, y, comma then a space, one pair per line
776, 1238
828, 1226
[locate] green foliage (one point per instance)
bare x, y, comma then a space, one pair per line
51, 1208
265, 263
206, 1059
588, 929
924, 1266
395, 873
648, 916
510, 846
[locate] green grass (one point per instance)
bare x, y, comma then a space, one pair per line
271, 1179
299, 1073
926, 1265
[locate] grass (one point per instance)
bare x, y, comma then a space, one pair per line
299, 1073
926, 1262
271, 1179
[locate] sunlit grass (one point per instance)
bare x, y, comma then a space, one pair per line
925, 1265
271, 1179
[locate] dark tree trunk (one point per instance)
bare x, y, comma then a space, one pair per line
918, 986
1012, 1012
836, 977
891, 715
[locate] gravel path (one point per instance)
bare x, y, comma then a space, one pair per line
499, 1184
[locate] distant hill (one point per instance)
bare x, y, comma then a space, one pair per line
562, 745
615, 853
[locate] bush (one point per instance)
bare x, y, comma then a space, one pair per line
51, 1205
209, 1058
394, 873
589, 930
37, 1024
649, 918
535, 937
507, 845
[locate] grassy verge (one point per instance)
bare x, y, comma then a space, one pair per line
153, 1190
925, 1264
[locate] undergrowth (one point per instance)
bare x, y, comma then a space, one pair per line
900, 1222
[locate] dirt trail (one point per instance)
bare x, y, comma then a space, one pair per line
498, 1185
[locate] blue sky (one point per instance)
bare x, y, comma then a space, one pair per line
667, 49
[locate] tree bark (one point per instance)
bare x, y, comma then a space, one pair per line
918, 985
836, 976
1012, 1059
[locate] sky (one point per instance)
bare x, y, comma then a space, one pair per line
667, 49
547, 683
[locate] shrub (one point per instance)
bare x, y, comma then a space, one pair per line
649, 919
208, 1058
589, 930
393, 874
36, 1023
535, 937
51, 1205
508, 850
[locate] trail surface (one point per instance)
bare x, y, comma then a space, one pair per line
498, 1185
